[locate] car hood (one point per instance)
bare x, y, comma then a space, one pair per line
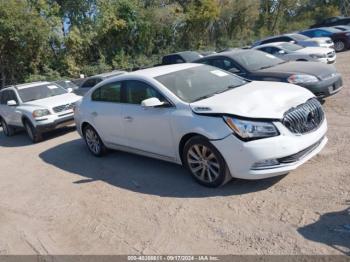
315, 50
320, 70
54, 101
261, 100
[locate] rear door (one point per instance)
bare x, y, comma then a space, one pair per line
106, 113
147, 129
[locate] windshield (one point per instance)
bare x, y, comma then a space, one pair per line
199, 82
291, 47
40, 92
331, 30
300, 37
254, 60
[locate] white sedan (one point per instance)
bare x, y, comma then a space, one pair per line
213, 122
293, 52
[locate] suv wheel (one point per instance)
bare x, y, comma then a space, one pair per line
339, 46
205, 162
32, 133
94, 142
8, 130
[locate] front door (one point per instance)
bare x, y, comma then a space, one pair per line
147, 129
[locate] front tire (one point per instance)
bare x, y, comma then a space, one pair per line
339, 46
205, 162
32, 133
8, 130
94, 142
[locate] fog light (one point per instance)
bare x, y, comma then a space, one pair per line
265, 164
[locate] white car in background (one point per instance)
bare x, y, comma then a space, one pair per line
293, 52
299, 39
213, 122
38, 107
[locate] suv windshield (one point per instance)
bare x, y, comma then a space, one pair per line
291, 47
254, 60
199, 82
40, 92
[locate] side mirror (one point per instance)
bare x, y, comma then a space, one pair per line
292, 41
281, 52
11, 103
152, 102
69, 90
234, 70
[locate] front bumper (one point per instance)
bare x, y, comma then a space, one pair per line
241, 156
46, 126
325, 88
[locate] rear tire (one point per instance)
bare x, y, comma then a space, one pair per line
94, 142
8, 130
205, 162
32, 133
339, 46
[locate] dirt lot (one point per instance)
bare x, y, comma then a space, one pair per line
56, 198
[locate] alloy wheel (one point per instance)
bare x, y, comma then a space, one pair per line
203, 163
339, 46
4, 127
29, 131
93, 141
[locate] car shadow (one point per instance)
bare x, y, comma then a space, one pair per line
20, 138
332, 229
140, 174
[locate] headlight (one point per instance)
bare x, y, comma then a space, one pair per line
318, 56
301, 79
347, 34
41, 112
249, 130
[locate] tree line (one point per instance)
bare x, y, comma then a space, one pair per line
51, 39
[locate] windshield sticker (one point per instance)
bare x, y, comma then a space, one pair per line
52, 87
219, 73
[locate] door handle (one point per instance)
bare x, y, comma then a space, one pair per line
128, 118
94, 114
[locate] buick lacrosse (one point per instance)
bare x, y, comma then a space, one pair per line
215, 123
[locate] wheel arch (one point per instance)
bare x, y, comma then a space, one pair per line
184, 140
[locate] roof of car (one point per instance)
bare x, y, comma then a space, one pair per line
230, 53
163, 70
109, 74
26, 85
270, 44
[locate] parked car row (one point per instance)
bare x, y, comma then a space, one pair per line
242, 113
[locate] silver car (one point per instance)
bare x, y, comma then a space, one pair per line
293, 52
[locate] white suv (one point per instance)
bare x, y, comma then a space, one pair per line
38, 107
215, 123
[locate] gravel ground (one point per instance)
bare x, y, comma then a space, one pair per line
55, 198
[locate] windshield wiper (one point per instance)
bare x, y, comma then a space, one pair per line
203, 97
264, 67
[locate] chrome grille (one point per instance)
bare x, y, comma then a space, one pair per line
296, 157
304, 118
62, 108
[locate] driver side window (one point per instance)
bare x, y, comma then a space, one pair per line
137, 91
